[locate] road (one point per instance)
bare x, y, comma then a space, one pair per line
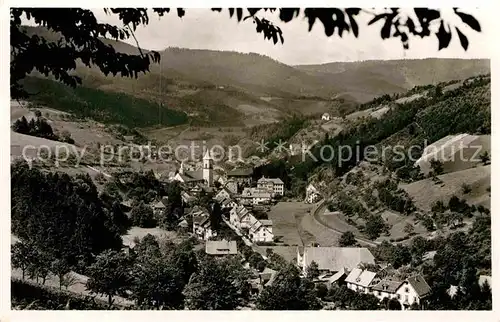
321, 207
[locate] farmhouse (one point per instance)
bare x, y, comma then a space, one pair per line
255, 196
387, 289
360, 280
275, 185
312, 194
241, 218
412, 290
221, 247
241, 175
262, 231
455, 152
333, 259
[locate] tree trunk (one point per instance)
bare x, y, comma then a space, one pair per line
23, 274
110, 300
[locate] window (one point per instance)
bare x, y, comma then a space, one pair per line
399, 296
406, 298
407, 290
379, 293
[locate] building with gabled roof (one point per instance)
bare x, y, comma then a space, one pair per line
360, 280
413, 290
334, 259
262, 231
255, 196
241, 175
241, 218
387, 288
221, 247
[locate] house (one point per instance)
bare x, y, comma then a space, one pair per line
241, 175
160, 206
387, 288
228, 203
187, 198
221, 247
231, 186
201, 224
241, 218
312, 194
266, 277
360, 280
325, 117
330, 279
224, 193
413, 290
255, 196
262, 231
333, 259
276, 185
455, 152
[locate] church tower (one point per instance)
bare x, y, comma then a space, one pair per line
208, 169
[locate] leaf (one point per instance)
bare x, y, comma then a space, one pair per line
443, 36
469, 20
463, 39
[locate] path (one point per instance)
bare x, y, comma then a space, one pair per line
321, 207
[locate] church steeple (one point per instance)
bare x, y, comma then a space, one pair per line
208, 168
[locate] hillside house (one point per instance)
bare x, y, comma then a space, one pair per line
333, 259
231, 186
360, 280
255, 196
325, 117
241, 218
312, 194
160, 206
413, 290
201, 224
224, 193
221, 247
241, 176
387, 288
262, 231
455, 152
276, 185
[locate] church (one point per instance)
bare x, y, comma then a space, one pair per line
204, 176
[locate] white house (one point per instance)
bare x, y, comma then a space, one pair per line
412, 290
241, 218
255, 196
276, 185
201, 225
333, 259
360, 280
312, 194
224, 193
325, 117
387, 288
262, 231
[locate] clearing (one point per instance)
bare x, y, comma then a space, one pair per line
286, 217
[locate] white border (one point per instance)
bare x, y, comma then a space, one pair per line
6, 314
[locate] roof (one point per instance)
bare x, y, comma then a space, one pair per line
266, 222
189, 176
429, 255
419, 285
221, 247
255, 193
388, 285
240, 172
266, 274
161, 204
337, 258
360, 277
335, 277
273, 180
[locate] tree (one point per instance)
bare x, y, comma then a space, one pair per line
215, 216
212, 287
21, 126
60, 267
401, 256
393, 304
408, 228
374, 226
485, 157
109, 274
22, 257
289, 292
84, 41
312, 271
347, 239
40, 265
437, 167
142, 216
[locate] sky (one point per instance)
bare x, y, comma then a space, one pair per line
204, 29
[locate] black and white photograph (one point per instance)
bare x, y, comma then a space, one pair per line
255, 159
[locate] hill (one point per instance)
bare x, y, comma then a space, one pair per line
220, 88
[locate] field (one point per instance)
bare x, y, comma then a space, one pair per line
426, 192
286, 217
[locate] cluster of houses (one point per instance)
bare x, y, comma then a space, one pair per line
341, 265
